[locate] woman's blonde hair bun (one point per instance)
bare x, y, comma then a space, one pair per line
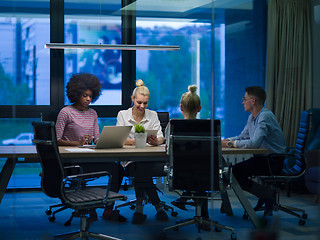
139, 83
192, 88
140, 89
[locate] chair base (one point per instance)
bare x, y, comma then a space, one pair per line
52, 214
198, 220
287, 209
84, 233
132, 205
294, 212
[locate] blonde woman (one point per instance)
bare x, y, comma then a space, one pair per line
143, 171
190, 105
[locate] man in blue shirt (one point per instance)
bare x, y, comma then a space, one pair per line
261, 131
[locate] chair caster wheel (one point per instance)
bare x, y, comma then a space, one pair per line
233, 236
132, 207
51, 218
304, 216
48, 212
245, 216
302, 222
174, 214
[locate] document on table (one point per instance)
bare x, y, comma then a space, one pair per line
79, 150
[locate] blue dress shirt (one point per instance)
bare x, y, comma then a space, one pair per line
263, 131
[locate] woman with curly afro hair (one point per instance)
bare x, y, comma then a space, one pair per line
77, 125
79, 83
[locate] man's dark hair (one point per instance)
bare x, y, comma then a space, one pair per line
258, 93
79, 83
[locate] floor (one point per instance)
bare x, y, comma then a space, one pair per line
22, 217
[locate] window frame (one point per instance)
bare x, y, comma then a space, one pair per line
57, 89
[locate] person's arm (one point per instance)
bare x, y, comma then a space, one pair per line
96, 133
256, 139
234, 140
153, 140
121, 122
84, 140
129, 141
120, 119
155, 124
243, 135
224, 143
60, 128
167, 137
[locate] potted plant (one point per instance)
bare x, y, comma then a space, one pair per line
140, 136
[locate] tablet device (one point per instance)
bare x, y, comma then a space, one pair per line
151, 132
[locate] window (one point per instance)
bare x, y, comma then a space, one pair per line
239, 58
24, 63
105, 64
168, 74
234, 53
221, 56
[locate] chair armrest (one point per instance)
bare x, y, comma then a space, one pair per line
77, 180
284, 155
294, 164
80, 170
290, 149
88, 175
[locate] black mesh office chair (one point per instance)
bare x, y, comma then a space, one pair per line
196, 166
164, 120
294, 168
56, 183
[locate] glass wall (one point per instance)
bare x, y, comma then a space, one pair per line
168, 74
225, 56
24, 77
234, 52
105, 64
239, 58
220, 53
24, 63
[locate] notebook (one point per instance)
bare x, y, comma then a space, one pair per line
111, 137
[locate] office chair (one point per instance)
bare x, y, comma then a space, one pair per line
52, 117
312, 181
164, 120
196, 166
56, 183
291, 171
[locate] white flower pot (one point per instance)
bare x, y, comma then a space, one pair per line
140, 140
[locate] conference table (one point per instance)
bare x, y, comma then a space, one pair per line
28, 154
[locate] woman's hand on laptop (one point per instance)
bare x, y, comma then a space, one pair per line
129, 142
86, 140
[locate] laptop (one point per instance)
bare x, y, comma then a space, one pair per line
111, 137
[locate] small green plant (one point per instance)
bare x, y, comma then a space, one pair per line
139, 128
